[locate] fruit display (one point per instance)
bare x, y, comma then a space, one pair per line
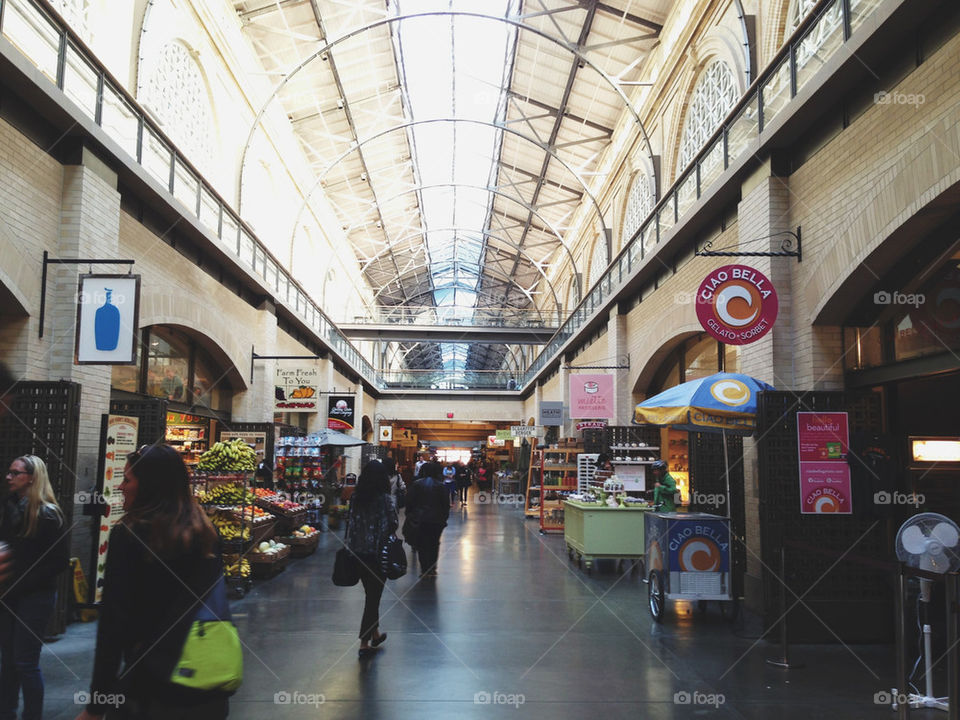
227, 496
230, 455
252, 514
265, 494
270, 547
305, 531
228, 527
238, 568
281, 506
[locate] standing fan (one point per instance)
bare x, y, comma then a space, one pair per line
928, 541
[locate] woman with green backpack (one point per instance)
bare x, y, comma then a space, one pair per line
165, 646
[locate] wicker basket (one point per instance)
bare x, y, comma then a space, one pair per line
301, 546
266, 565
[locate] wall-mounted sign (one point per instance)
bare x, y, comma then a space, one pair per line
823, 443
494, 441
591, 425
520, 431
108, 310
591, 396
737, 305
297, 389
340, 412
504, 435
119, 440
551, 413
386, 433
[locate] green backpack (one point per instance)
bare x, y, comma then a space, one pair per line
211, 658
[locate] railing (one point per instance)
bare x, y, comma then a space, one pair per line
817, 40
447, 315
449, 380
48, 43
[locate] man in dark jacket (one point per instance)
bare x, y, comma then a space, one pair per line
428, 507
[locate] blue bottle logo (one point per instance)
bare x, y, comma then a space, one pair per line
106, 325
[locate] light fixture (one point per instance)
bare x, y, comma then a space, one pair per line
339, 103
935, 450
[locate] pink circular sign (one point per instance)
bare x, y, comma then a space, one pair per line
737, 305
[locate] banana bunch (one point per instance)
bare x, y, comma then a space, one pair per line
230, 529
231, 455
227, 495
237, 569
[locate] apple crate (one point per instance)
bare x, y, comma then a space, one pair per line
289, 521
301, 546
266, 565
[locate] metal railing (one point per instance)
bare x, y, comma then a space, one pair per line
448, 315
449, 379
814, 43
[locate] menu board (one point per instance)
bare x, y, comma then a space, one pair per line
823, 441
120, 439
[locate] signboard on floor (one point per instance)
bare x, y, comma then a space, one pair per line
823, 442
591, 396
297, 389
118, 439
108, 308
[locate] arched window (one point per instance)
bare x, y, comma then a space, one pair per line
598, 261
76, 13
178, 97
640, 202
713, 96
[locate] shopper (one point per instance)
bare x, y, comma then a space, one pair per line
372, 518
428, 506
450, 483
397, 487
161, 561
33, 527
664, 487
463, 482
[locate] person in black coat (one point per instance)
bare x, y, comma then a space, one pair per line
33, 527
162, 559
428, 507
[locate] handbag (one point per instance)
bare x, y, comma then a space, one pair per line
346, 568
393, 558
211, 658
411, 530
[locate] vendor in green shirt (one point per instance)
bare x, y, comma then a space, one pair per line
664, 487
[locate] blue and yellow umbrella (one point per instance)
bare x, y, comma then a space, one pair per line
724, 402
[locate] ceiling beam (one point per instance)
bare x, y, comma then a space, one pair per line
629, 17
568, 115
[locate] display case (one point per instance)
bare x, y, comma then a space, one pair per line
596, 530
558, 478
189, 435
676, 453
630, 462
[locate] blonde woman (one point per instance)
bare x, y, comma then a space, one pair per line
32, 525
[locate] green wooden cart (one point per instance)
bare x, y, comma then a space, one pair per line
592, 531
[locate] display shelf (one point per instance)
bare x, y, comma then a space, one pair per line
676, 453
558, 476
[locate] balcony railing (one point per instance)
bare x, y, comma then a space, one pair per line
449, 380
457, 316
814, 43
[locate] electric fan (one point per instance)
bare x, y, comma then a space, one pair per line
928, 541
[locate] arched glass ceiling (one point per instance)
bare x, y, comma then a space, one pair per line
454, 67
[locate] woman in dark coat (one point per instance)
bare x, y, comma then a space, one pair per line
428, 507
372, 519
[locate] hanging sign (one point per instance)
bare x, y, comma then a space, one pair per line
823, 443
504, 435
386, 433
108, 310
297, 389
737, 305
119, 440
591, 396
591, 425
521, 431
551, 413
340, 412
494, 441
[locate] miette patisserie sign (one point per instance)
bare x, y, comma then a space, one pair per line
591, 396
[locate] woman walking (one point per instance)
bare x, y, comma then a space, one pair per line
32, 525
428, 506
372, 519
161, 563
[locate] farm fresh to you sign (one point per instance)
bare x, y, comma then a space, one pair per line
297, 389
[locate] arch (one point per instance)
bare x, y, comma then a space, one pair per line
714, 92
322, 52
641, 198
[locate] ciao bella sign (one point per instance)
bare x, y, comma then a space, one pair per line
736, 304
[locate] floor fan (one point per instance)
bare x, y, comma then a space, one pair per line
928, 541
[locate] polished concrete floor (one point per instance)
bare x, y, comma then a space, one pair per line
510, 628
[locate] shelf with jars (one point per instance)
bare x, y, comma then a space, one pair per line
676, 453
558, 478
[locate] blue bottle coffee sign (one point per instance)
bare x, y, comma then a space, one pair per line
107, 325
107, 318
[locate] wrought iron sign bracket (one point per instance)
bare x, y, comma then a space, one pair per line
47, 260
791, 246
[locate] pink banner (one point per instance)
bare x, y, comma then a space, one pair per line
822, 444
591, 396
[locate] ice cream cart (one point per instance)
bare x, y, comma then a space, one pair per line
687, 558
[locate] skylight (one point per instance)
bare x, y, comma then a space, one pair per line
453, 68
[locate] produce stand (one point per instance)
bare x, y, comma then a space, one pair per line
301, 546
688, 558
596, 530
266, 565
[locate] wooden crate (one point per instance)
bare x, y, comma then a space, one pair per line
264, 565
301, 546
